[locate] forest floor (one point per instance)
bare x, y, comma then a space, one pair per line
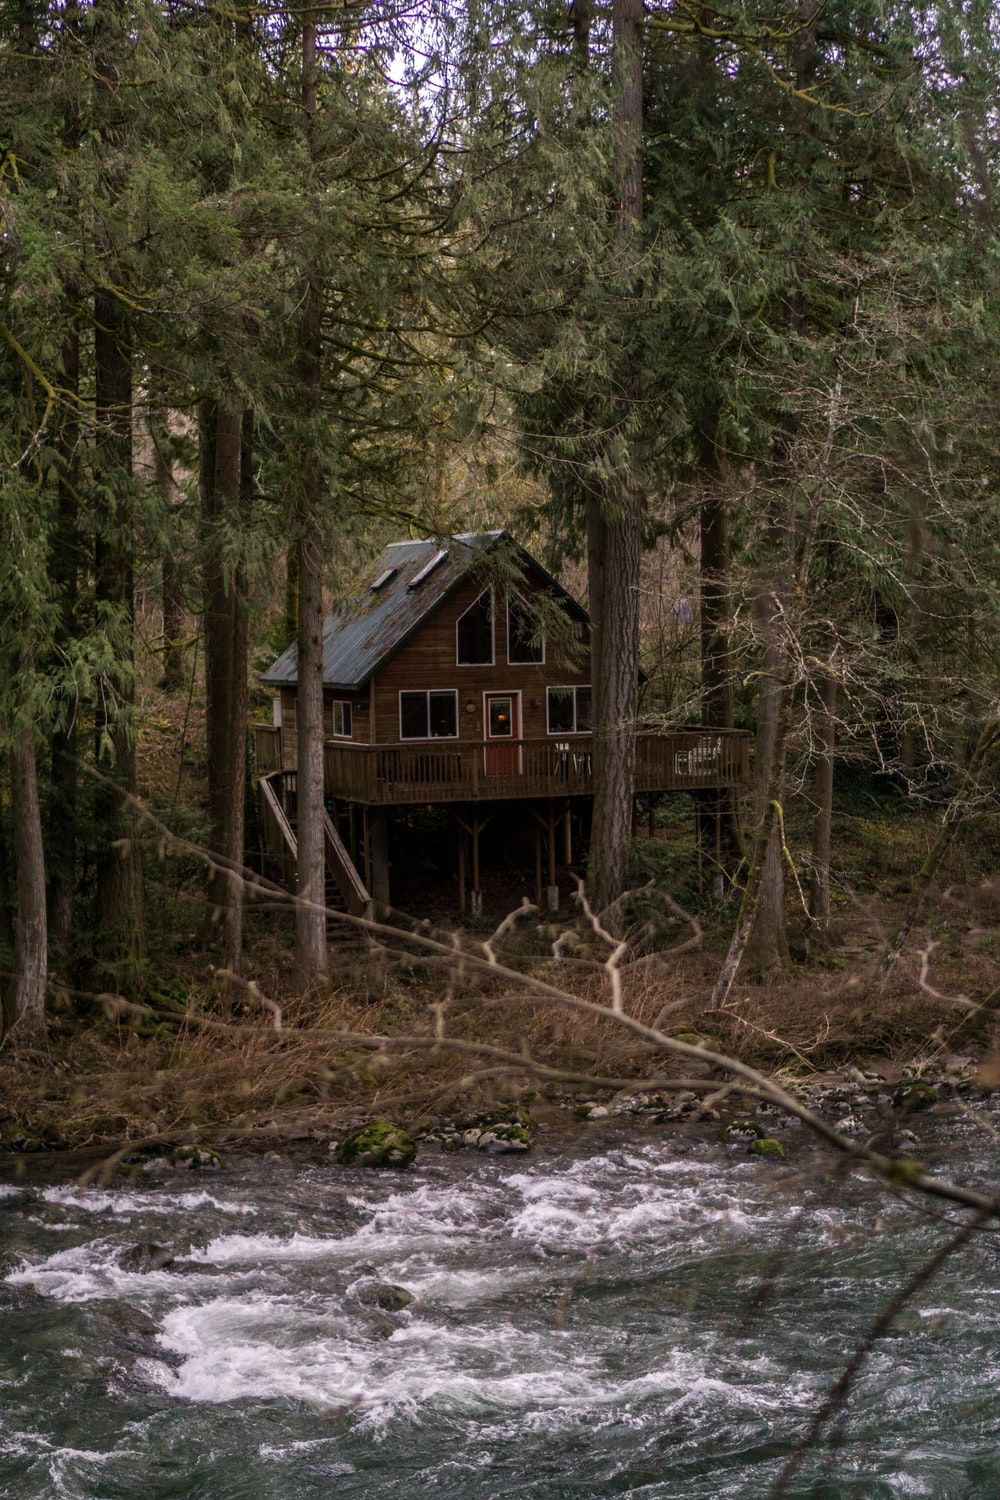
272, 1066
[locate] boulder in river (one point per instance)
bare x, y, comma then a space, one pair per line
371, 1292
377, 1144
498, 1137
915, 1095
146, 1256
766, 1145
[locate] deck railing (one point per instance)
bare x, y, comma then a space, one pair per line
483, 770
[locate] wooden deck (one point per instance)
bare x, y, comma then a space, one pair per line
488, 771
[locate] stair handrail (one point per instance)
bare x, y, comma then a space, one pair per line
341, 866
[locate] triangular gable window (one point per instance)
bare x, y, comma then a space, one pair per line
474, 633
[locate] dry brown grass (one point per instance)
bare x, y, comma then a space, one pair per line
224, 1072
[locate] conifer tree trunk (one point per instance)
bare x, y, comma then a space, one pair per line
7, 876
614, 522
719, 809
119, 934
226, 660
63, 782
119, 922
310, 918
767, 947
26, 1001
290, 627
826, 735
172, 676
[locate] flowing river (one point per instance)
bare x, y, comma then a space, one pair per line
626, 1311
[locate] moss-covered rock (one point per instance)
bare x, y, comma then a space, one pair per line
766, 1145
915, 1095
377, 1144
695, 1039
499, 1138
28, 1144
197, 1158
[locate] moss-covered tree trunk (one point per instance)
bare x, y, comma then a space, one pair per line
226, 664
25, 1000
614, 527
119, 922
63, 804
310, 916
826, 746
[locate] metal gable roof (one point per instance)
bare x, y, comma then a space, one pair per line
370, 626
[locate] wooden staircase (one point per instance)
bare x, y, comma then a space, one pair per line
344, 888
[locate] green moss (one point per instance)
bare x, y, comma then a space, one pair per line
695, 1039
377, 1144
917, 1095
766, 1145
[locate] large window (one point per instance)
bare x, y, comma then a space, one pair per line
474, 633
428, 716
341, 719
525, 635
569, 710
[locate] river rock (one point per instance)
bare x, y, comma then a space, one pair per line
131, 1320
378, 1144
196, 1158
145, 1257
371, 1292
499, 1137
766, 1145
915, 1095
9, 1261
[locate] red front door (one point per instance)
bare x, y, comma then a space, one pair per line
502, 756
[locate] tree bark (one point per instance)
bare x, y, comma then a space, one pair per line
766, 830
310, 916
719, 820
614, 521
826, 736
291, 612
119, 936
119, 921
25, 1006
767, 947
223, 497
62, 809
172, 676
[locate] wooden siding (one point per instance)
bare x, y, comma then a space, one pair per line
427, 662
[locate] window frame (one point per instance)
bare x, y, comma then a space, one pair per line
341, 703
512, 661
416, 739
567, 687
493, 630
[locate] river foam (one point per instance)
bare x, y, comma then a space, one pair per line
620, 1320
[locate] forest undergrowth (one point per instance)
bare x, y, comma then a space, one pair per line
267, 1063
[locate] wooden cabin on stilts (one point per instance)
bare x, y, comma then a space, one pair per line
457, 676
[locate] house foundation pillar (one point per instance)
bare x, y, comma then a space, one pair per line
378, 835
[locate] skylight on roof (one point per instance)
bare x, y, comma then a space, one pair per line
428, 569
383, 578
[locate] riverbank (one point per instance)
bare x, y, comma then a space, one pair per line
299, 1073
